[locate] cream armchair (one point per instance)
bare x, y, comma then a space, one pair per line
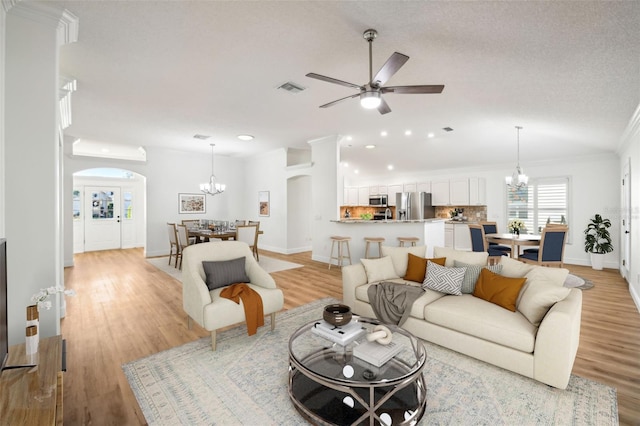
206, 307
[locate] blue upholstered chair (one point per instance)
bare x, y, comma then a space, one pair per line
551, 251
479, 243
492, 228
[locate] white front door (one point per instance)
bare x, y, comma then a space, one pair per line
102, 218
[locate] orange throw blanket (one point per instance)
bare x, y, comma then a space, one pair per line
252, 302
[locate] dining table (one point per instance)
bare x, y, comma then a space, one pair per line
514, 241
205, 234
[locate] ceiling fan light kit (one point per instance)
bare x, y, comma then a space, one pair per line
371, 93
518, 179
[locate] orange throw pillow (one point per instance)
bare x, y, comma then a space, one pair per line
498, 289
417, 267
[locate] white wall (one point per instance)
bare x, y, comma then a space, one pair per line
299, 214
630, 153
595, 184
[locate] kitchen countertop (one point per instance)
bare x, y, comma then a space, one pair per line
387, 221
462, 222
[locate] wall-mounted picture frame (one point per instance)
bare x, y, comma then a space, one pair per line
191, 203
263, 203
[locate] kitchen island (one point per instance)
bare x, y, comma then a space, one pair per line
429, 231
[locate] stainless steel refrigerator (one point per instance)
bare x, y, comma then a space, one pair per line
414, 206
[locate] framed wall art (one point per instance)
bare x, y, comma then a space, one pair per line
191, 203
263, 203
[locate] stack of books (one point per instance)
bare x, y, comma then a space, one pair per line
376, 354
342, 335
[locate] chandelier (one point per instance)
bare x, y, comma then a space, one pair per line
518, 179
213, 187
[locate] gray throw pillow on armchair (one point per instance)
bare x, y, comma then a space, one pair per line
222, 273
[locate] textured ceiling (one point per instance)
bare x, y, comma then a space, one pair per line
156, 73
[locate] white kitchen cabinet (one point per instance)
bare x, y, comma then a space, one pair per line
459, 192
377, 189
350, 196
440, 193
477, 192
461, 237
392, 190
424, 187
448, 235
409, 187
363, 196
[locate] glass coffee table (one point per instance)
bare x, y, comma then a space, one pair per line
329, 385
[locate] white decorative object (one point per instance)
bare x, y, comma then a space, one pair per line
31, 342
380, 334
41, 297
518, 179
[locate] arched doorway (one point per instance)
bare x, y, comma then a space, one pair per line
109, 209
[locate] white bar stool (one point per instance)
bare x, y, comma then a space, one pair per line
412, 240
343, 242
374, 240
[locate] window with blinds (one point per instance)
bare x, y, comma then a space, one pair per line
543, 201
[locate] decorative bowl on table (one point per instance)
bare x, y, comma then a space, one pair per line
337, 314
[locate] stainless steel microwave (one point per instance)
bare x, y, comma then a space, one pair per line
378, 200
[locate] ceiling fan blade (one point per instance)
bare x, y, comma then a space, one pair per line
332, 80
383, 108
339, 100
435, 88
393, 64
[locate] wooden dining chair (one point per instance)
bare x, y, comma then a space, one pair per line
173, 242
492, 228
479, 243
254, 222
183, 242
249, 235
551, 251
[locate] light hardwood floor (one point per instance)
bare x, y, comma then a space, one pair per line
126, 309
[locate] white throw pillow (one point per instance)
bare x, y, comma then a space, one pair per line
443, 279
469, 257
400, 256
538, 295
379, 269
514, 268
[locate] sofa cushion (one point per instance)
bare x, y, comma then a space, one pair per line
379, 269
484, 320
514, 268
470, 257
498, 289
417, 267
399, 256
221, 273
443, 279
538, 295
472, 274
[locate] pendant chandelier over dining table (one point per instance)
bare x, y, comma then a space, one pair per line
518, 179
212, 187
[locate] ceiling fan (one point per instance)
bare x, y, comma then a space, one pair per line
370, 93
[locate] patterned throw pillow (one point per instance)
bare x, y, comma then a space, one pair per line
443, 279
224, 272
472, 274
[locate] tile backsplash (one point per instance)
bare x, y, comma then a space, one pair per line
473, 213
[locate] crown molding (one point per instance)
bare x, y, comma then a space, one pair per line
65, 23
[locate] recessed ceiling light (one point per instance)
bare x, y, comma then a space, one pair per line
407, 132
345, 164
390, 167
105, 150
369, 146
349, 138
245, 137
383, 133
356, 171
430, 135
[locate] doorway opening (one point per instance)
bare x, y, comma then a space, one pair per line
109, 209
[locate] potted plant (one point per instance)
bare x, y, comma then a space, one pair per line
597, 241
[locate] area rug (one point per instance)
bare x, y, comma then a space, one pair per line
245, 383
574, 281
269, 264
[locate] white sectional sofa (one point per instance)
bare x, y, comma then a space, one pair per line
539, 340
